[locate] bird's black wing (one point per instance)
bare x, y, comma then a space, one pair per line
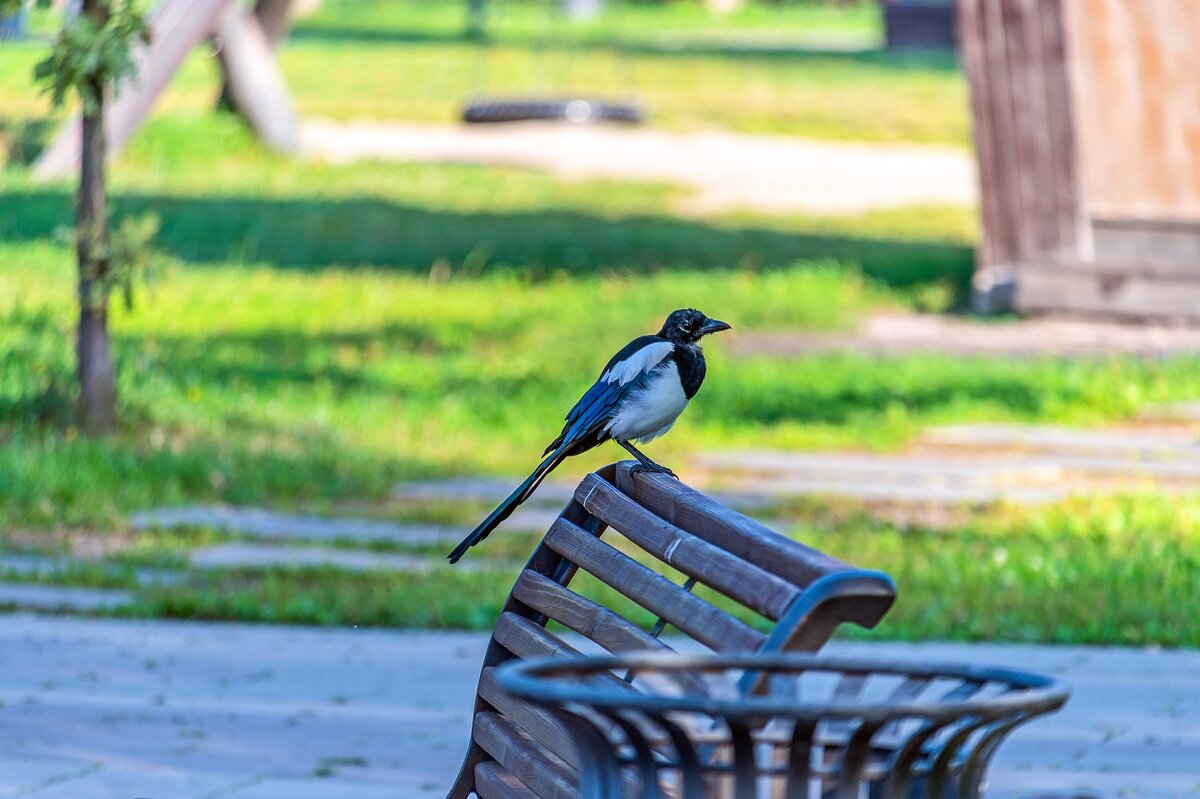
627, 371
623, 373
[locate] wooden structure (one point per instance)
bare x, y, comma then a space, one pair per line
1087, 129
519, 751
919, 24
245, 40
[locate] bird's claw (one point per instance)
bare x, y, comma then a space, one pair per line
649, 468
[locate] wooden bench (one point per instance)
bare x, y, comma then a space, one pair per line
519, 751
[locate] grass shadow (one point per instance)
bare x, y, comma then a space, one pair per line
314, 233
769, 49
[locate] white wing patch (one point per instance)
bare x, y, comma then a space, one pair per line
639, 363
650, 411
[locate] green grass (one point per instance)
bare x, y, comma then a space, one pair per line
316, 334
1116, 570
320, 333
762, 70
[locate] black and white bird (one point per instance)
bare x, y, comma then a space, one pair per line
639, 395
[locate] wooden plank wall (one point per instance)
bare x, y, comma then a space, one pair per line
1087, 124
1138, 106
1015, 55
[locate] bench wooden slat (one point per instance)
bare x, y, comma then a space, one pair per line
538, 722
749, 540
750, 585
652, 591
528, 640
599, 624
493, 782
613, 632
544, 774
525, 639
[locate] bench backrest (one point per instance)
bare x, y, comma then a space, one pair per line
802, 595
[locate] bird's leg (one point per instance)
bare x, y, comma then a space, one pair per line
644, 463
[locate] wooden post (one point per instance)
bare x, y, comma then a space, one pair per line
256, 85
275, 17
176, 26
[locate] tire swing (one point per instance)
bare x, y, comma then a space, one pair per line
566, 106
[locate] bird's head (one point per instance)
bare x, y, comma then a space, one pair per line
687, 326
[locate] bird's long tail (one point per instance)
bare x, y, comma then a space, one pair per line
505, 509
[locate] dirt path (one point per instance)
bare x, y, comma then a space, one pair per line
727, 170
895, 333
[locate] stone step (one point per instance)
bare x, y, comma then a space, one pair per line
768, 489
248, 555
902, 470
33, 565
1131, 444
53, 597
923, 477
263, 523
484, 490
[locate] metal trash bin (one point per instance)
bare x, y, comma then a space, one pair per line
780, 725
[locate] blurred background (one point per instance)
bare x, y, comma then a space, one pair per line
361, 318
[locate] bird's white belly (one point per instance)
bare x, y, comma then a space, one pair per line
651, 411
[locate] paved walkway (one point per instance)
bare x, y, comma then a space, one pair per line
102, 709
727, 170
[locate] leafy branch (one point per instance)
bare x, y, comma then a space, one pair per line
90, 52
117, 261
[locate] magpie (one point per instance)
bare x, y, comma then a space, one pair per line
639, 395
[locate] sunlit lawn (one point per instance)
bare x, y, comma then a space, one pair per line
315, 334
757, 71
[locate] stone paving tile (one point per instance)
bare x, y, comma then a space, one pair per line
324, 789
785, 486
242, 555
1007, 783
272, 705
125, 783
55, 597
484, 490
1181, 444
31, 565
19, 776
975, 463
543, 508
264, 523
939, 470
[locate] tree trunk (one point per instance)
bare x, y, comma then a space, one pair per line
97, 389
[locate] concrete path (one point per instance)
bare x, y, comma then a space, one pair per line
102, 709
902, 333
727, 170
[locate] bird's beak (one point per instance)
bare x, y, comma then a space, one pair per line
714, 326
